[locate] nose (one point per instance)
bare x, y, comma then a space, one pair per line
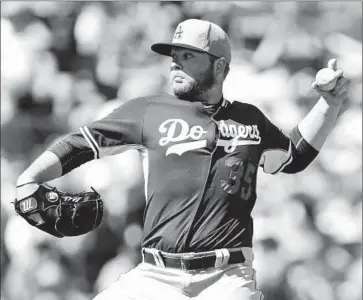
175, 66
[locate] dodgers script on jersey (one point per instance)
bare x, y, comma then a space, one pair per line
200, 166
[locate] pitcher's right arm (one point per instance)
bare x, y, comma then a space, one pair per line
119, 131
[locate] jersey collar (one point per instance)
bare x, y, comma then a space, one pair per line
212, 109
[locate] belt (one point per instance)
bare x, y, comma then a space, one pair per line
193, 261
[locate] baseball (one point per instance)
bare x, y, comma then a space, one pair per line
325, 79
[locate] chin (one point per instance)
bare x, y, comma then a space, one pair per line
179, 94
181, 90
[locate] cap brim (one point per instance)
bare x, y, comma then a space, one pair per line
165, 48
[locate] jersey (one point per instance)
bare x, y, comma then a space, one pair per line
200, 166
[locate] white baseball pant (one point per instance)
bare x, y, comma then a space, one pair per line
150, 282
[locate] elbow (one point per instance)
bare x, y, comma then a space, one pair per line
294, 170
303, 156
296, 167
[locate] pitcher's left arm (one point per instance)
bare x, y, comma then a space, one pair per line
293, 154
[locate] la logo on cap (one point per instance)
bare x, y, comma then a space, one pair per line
178, 32
199, 35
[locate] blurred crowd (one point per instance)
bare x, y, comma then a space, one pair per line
65, 64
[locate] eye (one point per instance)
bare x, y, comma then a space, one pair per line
188, 55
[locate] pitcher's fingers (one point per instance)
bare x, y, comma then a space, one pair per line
341, 81
342, 92
338, 73
332, 64
322, 93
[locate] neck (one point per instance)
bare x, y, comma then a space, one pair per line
211, 97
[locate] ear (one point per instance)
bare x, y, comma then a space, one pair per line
219, 66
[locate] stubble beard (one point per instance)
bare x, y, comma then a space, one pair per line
196, 87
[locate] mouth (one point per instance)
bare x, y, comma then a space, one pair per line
178, 79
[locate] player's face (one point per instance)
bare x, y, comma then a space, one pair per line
191, 73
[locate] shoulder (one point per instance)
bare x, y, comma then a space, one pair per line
245, 109
152, 99
140, 103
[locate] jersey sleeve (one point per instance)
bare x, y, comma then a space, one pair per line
119, 131
276, 148
284, 153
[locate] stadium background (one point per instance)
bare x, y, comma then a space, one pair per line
63, 64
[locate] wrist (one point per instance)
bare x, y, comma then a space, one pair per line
336, 102
328, 107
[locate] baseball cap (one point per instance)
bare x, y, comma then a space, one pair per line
198, 35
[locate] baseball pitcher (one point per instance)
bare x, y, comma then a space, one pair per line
200, 153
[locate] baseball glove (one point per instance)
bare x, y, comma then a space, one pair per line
59, 213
